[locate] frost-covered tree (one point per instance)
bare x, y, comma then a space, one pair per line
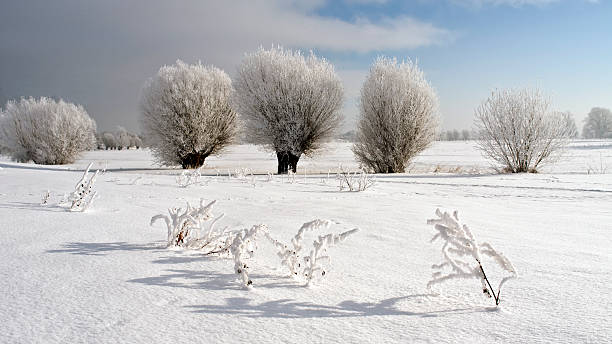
135, 141
289, 102
186, 113
570, 124
46, 131
598, 124
518, 131
465, 134
109, 140
398, 116
123, 137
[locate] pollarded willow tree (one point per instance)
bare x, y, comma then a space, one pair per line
518, 131
399, 116
46, 131
186, 113
289, 102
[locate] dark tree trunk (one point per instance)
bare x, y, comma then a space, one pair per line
193, 160
286, 161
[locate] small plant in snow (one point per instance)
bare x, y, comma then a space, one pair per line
354, 181
314, 263
462, 255
45, 198
308, 266
242, 248
189, 178
182, 222
83, 195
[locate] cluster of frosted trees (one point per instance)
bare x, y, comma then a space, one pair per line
290, 103
120, 139
455, 135
598, 124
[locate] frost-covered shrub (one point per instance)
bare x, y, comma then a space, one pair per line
518, 131
183, 223
186, 113
83, 195
46, 131
308, 266
355, 181
189, 178
186, 228
398, 116
242, 248
462, 255
289, 102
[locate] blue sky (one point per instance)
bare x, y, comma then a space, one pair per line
99, 53
562, 47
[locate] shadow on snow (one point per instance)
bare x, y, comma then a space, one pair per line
101, 248
287, 308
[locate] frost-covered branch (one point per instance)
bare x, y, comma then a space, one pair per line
307, 266
83, 195
314, 263
181, 223
462, 255
242, 249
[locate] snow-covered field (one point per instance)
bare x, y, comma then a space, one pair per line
105, 276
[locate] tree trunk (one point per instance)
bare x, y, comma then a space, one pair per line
286, 161
193, 160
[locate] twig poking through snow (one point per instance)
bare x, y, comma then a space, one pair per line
242, 249
189, 178
354, 181
83, 195
459, 243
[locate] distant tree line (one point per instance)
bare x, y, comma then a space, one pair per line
456, 135
119, 139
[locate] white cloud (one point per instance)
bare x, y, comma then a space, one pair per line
98, 53
514, 3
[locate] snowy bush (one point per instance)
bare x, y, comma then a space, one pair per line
189, 178
518, 131
242, 249
187, 115
45, 198
46, 131
308, 266
183, 223
289, 102
83, 195
398, 116
355, 181
462, 255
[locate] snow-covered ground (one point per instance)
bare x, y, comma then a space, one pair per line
105, 276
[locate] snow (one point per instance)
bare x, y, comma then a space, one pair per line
106, 276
